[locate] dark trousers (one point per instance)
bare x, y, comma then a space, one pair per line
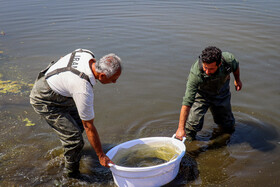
61, 114
220, 108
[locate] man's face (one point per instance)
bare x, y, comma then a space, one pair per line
210, 69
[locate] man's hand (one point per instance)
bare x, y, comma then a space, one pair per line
180, 133
238, 85
94, 140
105, 160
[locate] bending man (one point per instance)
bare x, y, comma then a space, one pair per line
208, 87
63, 95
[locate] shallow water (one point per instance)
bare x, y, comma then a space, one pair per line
158, 41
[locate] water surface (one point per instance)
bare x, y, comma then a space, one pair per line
158, 41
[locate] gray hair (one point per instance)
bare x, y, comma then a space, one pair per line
108, 64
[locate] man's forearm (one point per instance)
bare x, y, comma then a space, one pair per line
237, 82
183, 116
180, 133
237, 75
93, 137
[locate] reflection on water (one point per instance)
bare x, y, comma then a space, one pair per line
145, 155
158, 41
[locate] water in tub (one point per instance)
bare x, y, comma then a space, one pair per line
145, 155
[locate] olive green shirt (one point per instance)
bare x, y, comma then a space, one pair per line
211, 85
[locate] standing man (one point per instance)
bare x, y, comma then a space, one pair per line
63, 95
208, 87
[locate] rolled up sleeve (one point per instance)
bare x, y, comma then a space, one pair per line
229, 57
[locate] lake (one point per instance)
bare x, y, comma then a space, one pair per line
158, 41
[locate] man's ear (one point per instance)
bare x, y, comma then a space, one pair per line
93, 60
102, 76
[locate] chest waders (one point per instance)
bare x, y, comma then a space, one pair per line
213, 93
61, 114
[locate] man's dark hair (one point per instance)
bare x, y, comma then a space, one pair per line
211, 54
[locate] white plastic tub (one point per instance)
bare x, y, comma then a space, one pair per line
147, 176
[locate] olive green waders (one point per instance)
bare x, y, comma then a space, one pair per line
219, 106
61, 114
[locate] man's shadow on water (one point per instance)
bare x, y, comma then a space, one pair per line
258, 135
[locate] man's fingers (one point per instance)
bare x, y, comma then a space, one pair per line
179, 137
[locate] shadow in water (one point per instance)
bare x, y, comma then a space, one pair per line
188, 172
260, 136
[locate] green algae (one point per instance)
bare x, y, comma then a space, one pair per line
9, 86
28, 122
145, 155
13, 79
